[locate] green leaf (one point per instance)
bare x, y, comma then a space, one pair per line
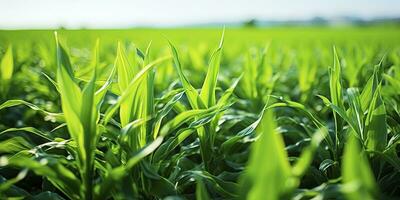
80, 112
71, 103
226, 189
370, 87
168, 146
56, 173
355, 112
376, 123
48, 196
125, 75
6, 71
207, 93
49, 115
163, 113
306, 157
201, 191
117, 174
194, 99
182, 118
358, 179
268, 173
15, 145
227, 145
71, 97
30, 130
225, 96
335, 86
88, 117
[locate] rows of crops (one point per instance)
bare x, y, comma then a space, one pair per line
303, 114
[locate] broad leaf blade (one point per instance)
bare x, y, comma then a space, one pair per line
357, 175
268, 171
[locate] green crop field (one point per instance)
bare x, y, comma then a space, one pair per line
207, 113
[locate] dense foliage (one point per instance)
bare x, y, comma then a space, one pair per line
286, 113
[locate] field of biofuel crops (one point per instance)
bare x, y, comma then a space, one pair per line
278, 113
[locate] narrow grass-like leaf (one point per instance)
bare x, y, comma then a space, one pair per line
207, 93
355, 111
335, 86
194, 99
49, 115
115, 175
60, 176
306, 157
15, 145
29, 130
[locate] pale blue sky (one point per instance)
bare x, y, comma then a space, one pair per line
126, 13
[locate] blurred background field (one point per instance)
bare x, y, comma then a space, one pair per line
386, 35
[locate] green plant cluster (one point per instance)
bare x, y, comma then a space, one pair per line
318, 119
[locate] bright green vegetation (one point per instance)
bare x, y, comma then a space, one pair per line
281, 113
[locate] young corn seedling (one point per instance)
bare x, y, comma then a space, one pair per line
366, 114
258, 79
205, 99
81, 112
